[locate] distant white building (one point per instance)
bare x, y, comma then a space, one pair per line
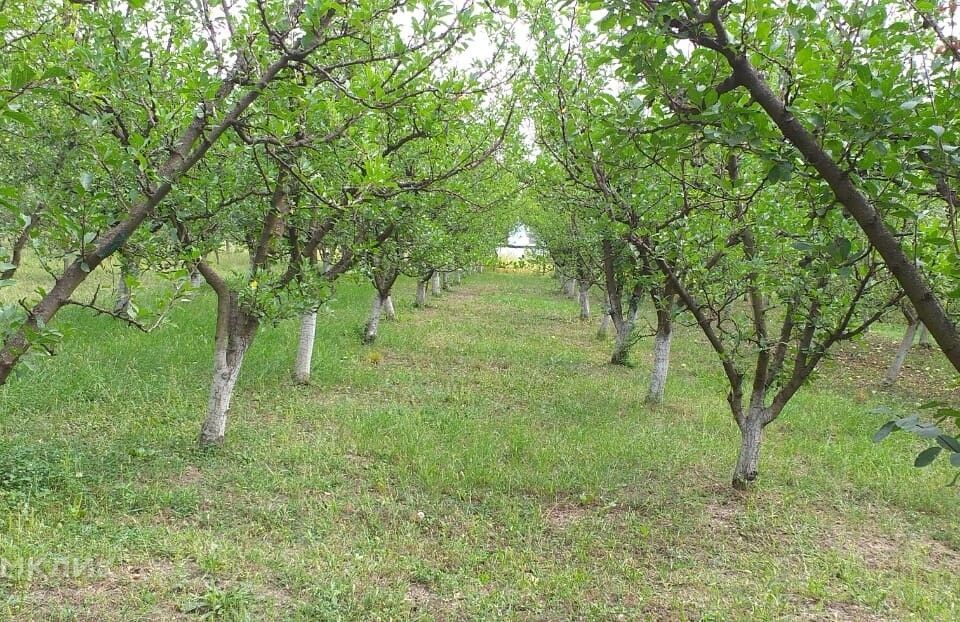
518, 246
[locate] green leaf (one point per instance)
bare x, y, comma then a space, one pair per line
910, 104
927, 456
955, 460
885, 431
949, 443
20, 76
19, 117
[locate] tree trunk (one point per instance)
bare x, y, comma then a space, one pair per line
388, 308
569, 288
924, 339
421, 295
748, 461
897, 364
604, 325
445, 281
661, 354
235, 333
373, 324
435, 284
196, 279
621, 344
308, 333
123, 295
584, 293
459, 276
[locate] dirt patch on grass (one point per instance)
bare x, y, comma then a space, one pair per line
564, 515
96, 597
812, 610
862, 364
423, 599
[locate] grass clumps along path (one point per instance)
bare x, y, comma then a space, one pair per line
481, 461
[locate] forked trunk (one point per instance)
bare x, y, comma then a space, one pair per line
421, 295
435, 284
584, 292
661, 356
748, 461
308, 333
388, 309
373, 324
235, 333
893, 372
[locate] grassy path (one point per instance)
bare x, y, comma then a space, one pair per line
479, 462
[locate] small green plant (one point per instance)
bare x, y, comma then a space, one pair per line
27, 470
216, 603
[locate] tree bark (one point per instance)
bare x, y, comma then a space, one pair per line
235, 333
569, 288
748, 460
123, 295
924, 340
421, 300
445, 280
893, 372
584, 294
435, 284
196, 279
621, 341
661, 354
304, 360
604, 325
373, 324
388, 310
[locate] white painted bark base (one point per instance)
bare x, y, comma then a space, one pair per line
308, 333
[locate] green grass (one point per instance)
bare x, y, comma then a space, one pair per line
481, 461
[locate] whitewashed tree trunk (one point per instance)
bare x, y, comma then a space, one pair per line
584, 292
435, 285
388, 310
445, 280
225, 376
196, 279
373, 324
459, 276
235, 333
748, 460
570, 288
661, 356
308, 333
893, 372
421, 300
123, 296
